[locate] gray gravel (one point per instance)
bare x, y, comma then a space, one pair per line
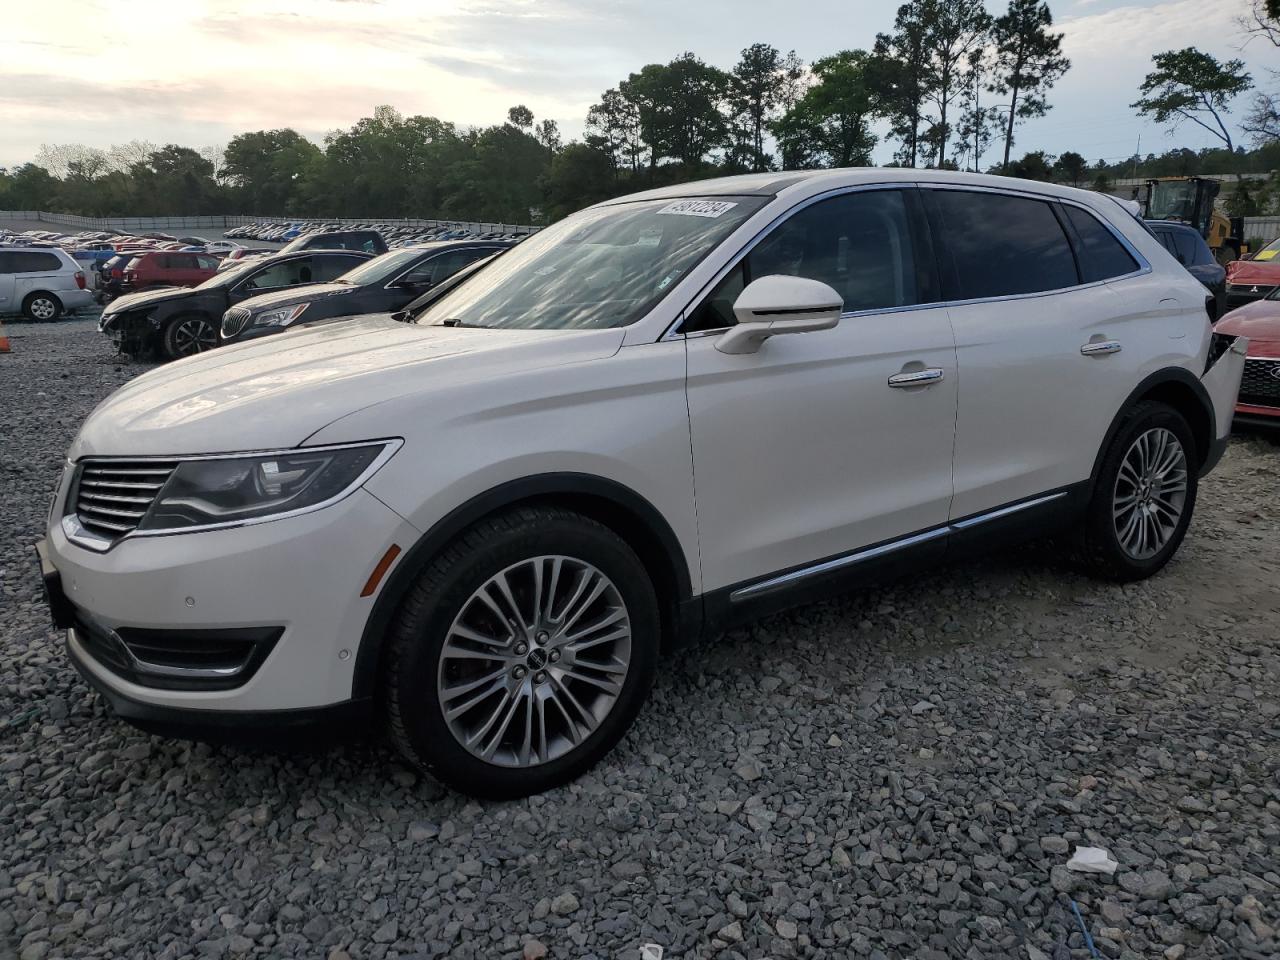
901, 773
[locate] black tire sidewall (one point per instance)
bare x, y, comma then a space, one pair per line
1104, 552
422, 636
38, 295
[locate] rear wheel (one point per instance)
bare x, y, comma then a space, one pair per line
189, 335
41, 306
1144, 497
522, 653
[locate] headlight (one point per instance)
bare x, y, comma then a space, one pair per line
230, 490
279, 318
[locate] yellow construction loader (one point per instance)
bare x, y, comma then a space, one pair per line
1190, 200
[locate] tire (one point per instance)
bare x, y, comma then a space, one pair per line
189, 334
1144, 497
42, 307
534, 750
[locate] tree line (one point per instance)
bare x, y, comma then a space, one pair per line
951, 84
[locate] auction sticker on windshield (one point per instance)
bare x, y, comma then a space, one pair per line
698, 208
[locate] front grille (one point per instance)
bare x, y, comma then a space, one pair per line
234, 321
1258, 290
1260, 384
112, 496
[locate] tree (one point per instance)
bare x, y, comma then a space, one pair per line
1241, 203
1070, 168
954, 30
1029, 62
898, 77
266, 166
547, 133
1037, 165
754, 94
614, 123
678, 105
520, 116
1190, 85
830, 124
580, 174
978, 123
1102, 183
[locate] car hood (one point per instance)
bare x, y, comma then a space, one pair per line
308, 293
275, 392
1253, 271
134, 301
1259, 321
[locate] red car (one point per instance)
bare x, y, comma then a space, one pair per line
1259, 400
167, 269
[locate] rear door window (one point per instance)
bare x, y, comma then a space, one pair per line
325, 268
23, 261
1002, 245
287, 273
1102, 256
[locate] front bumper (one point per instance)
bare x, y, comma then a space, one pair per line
300, 577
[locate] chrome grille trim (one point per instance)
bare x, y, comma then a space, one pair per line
109, 498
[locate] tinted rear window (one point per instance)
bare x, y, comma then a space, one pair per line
22, 261
1102, 256
1002, 245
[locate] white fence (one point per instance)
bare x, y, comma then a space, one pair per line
1268, 228
145, 224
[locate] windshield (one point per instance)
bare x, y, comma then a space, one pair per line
383, 268
603, 267
417, 308
1269, 252
1172, 201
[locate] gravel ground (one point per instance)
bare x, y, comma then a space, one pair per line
900, 773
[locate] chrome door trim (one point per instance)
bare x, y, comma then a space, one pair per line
839, 563
773, 584
1006, 511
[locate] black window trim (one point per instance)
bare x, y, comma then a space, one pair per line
1144, 265
923, 246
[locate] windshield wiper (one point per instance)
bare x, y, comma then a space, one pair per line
456, 322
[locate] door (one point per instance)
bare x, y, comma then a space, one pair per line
803, 451
1039, 339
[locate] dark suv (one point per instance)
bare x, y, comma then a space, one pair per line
370, 241
182, 322
382, 285
1190, 250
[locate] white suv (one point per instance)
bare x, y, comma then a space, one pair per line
486, 527
41, 282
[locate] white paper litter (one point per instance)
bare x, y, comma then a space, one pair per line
1092, 860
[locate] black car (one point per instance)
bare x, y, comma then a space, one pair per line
111, 276
382, 285
370, 241
1190, 250
181, 321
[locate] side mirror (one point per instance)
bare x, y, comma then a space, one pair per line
776, 305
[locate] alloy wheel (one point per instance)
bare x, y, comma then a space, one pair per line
42, 308
1150, 493
534, 661
194, 335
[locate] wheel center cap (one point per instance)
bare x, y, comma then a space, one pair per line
537, 658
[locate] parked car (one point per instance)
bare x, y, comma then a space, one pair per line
241, 255
483, 527
370, 241
1254, 278
168, 269
1259, 401
381, 285
179, 322
110, 276
1189, 249
42, 284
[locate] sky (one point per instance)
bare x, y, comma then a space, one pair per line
196, 72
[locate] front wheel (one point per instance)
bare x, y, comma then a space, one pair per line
1144, 496
189, 335
42, 307
522, 653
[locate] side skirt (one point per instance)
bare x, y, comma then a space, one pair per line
965, 537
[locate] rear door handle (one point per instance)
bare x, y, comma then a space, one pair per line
1101, 349
917, 378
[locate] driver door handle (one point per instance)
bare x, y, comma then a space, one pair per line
917, 378
1101, 348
